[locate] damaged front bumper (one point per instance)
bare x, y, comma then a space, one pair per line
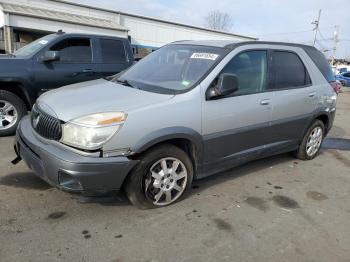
67, 170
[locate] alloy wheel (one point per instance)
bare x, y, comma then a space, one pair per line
314, 141
8, 115
166, 181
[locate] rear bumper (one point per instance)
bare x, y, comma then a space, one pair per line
68, 170
331, 120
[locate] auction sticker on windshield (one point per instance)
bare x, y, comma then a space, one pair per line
208, 56
43, 42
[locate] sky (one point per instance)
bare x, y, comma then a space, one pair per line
274, 20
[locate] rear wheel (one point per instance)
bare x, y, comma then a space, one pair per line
311, 143
162, 177
12, 109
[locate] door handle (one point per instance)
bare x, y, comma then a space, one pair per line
312, 94
88, 72
265, 102
85, 71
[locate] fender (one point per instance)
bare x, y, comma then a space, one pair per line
169, 133
17, 74
330, 114
21, 85
318, 113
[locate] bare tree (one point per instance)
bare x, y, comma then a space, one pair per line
219, 20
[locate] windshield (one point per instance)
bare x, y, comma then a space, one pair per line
172, 69
35, 46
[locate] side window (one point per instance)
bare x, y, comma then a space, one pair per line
288, 71
112, 51
250, 68
74, 50
321, 62
346, 75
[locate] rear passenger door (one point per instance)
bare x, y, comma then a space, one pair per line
113, 57
294, 97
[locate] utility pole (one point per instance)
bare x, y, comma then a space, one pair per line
336, 40
316, 23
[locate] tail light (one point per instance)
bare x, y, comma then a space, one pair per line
336, 86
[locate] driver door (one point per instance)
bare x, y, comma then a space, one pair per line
75, 64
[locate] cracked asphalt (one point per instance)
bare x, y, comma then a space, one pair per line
274, 209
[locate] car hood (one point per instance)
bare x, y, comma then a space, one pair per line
10, 57
96, 96
4, 56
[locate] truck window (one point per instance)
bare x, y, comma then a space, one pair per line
74, 50
112, 51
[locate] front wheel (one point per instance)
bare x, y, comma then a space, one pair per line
12, 109
162, 177
311, 143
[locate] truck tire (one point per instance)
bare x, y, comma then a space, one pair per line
312, 140
162, 177
12, 109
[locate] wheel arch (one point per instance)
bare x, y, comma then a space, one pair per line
186, 139
324, 118
17, 88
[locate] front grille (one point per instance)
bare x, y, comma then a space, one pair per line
46, 125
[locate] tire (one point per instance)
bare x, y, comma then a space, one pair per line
143, 187
9, 119
302, 152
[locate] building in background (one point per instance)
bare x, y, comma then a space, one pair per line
23, 21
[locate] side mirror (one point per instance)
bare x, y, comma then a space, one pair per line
50, 56
227, 84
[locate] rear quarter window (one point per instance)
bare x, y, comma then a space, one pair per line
321, 62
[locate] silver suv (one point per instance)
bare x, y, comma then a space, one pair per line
189, 110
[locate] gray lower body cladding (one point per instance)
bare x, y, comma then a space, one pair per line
68, 170
228, 149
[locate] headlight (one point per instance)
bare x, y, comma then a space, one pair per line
92, 131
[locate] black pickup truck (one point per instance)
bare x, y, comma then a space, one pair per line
53, 61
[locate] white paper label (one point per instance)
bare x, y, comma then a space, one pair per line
208, 56
43, 42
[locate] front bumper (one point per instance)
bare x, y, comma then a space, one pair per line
66, 169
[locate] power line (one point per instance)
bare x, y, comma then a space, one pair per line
323, 38
287, 33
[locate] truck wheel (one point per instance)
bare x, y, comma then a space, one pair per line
311, 143
163, 176
12, 109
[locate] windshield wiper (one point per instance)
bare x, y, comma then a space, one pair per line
124, 82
